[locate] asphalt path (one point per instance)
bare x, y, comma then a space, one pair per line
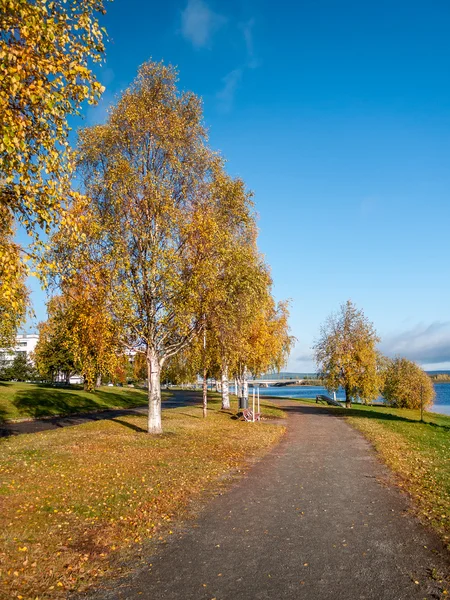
318, 518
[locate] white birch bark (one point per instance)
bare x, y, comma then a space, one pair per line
205, 380
245, 385
154, 393
225, 389
205, 393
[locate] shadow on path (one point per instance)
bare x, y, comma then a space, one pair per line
356, 412
178, 398
37, 425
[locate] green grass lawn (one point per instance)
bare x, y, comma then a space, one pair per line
79, 502
31, 400
25, 400
419, 453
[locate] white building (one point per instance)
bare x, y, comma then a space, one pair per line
25, 344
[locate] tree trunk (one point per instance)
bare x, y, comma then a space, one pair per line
245, 385
348, 398
239, 391
154, 392
205, 392
67, 377
225, 390
98, 381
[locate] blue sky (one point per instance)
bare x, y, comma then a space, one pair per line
337, 116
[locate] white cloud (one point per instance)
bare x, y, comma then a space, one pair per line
247, 31
199, 23
230, 83
425, 344
301, 360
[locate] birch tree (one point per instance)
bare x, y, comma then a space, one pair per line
252, 332
47, 51
150, 220
236, 279
80, 335
346, 354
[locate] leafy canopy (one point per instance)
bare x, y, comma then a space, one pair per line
406, 385
52, 354
13, 290
46, 52
151, 224
146, 172
346, 354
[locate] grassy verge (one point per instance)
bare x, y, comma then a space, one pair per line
25, 400
79, 501
419, 453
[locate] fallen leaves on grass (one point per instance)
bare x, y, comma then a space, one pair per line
77, 500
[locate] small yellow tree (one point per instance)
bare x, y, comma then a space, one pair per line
53, 355
79, 336
406, 385
346, 354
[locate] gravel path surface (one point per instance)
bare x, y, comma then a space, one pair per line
318, 518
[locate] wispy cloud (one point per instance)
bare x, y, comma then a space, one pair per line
247, 32
226, 95
302, 360
199, 23
425, 344
231, 81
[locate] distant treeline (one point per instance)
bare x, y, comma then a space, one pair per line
440, 377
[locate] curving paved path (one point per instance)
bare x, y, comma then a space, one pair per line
316, 519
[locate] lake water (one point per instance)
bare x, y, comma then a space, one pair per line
441, 404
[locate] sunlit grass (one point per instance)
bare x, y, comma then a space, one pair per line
77, 501
25, 400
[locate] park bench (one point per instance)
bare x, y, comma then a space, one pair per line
328, 400
247, 413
